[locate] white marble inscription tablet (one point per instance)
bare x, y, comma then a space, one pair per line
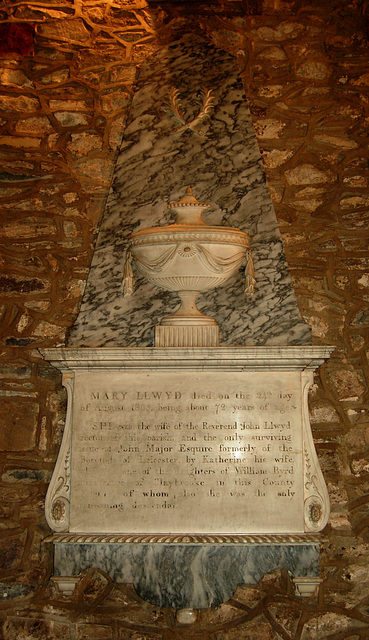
187, 452
175, 442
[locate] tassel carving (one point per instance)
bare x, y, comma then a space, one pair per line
249, 274
128, 276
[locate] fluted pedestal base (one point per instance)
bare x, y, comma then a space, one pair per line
187, 326
187, 336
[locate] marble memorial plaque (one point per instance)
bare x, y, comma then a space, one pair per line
187, 452
198, 442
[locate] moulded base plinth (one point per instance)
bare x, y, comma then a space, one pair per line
187, 336
188, 576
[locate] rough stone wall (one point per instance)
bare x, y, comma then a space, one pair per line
62, 110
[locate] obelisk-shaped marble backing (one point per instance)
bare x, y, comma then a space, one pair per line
219, 158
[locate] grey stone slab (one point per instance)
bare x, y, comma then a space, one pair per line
192, 576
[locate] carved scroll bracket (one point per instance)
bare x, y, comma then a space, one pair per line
316, 499
58, 496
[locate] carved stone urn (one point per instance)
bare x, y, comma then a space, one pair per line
188, 257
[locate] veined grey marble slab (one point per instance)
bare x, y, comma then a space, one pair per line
191, 576
157, 160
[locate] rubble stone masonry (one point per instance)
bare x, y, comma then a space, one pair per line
62, 111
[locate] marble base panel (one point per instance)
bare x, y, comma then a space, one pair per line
188, 576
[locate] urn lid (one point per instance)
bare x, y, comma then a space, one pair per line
189, 209
189, 227
188, 200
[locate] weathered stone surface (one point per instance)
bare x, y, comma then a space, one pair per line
37, 124
268, 128
271, 91
347, 383
324, 412
114, 101
70, 105
18, 103
9, 591
28, 228
21, 284
13, 141
259, 629
313, 70
96, 170
23, 322
356, 181
287, 616
336, 141
14, 77
90, 631
328, 623
272, 53
82, 143
34, 628
276, 157
283, 31
319, 327
70, 118
49, 330
61, 75
363, 79
308, 174
354, 201
11, 551
74, 30
225, 613
26, 476
17, 371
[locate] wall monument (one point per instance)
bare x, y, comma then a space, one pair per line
187, 464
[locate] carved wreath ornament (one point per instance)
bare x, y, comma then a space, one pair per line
204, 102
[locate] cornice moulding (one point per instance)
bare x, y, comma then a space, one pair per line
262, 358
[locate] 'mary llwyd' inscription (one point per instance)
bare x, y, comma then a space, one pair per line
187, 453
